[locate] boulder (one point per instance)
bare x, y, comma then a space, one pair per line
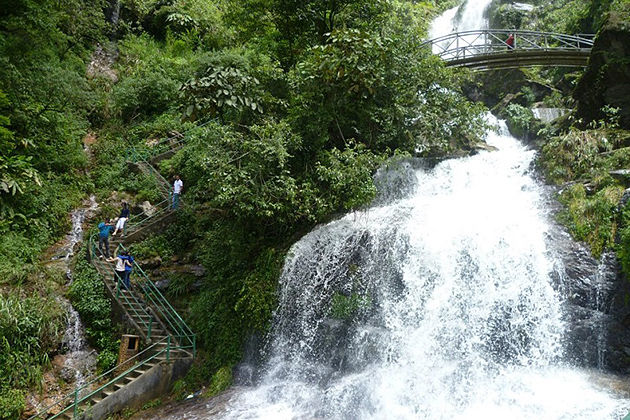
147, 208
606, 80
151, 263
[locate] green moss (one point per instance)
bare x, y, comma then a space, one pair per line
221, 380
345, 307
591, 219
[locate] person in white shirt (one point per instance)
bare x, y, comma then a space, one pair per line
178, 185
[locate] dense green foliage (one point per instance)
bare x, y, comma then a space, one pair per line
300, 102
45, 103
29, 327
45, 106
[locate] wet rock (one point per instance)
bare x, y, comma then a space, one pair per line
101, 64
605, 81
197, 270
67, 374
624, 198
484, 147
146, 208
152, 263
162, 284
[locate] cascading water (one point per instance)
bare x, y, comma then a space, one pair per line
439, 302
548, 114
75, 235
80, 361
449, 298
468, 16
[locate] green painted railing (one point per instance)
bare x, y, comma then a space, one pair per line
83, 394
137, 308
163, 309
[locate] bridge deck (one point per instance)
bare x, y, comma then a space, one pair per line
524, 58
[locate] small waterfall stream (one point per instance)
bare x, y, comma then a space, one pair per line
80, 360
75, 236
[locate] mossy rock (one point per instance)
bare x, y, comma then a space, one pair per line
607, 77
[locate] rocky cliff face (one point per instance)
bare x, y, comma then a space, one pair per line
607, 78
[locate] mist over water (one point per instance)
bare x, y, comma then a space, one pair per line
437, 303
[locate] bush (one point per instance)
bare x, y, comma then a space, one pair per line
30, 328
520, 121
12, 403
591, 219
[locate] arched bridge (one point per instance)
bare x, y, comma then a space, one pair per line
488, 49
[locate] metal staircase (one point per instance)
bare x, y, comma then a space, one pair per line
164, 332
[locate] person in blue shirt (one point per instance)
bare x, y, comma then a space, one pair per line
128, 268
104, 228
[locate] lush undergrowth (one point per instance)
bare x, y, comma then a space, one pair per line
296, 117
29, 327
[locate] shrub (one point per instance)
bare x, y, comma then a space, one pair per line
30, 328
12, 403
591, 219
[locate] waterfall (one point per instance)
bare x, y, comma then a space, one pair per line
79, 361
548, 114
469, 16
75, 236
440, 302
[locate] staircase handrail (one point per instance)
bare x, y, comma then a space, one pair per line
76, 394
163, 307
139, 308
180, 332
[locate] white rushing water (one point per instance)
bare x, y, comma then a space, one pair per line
468, 16
449, 311
80, 360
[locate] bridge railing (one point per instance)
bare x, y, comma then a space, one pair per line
461, 45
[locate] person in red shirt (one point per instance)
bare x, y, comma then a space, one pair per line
510, 42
